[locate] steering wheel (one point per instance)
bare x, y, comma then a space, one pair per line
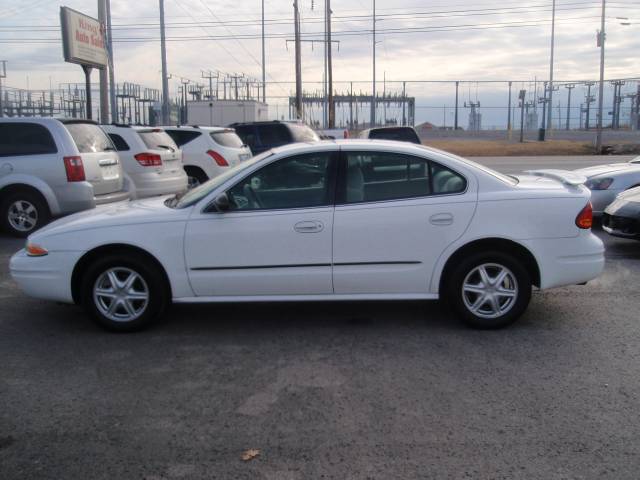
251, 196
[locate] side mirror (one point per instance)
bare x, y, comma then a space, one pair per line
222, 202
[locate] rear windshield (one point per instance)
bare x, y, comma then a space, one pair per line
157, 140
182, 137
227, 139
399, 134
89, 138
302, 133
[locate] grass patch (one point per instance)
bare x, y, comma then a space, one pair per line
499, 148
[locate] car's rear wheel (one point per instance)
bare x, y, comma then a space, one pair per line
489, 290
195, 177
124, 293
23, 212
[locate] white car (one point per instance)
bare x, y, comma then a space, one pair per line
334, 220
607, 181
208, 151
151, 160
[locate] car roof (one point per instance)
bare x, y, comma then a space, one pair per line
197, 128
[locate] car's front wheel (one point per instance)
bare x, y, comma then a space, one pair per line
489, 290
123, 292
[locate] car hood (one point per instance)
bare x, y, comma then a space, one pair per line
607, 169
122, 213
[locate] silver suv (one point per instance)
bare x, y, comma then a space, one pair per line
51, 167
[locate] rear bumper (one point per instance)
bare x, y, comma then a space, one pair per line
568, 261
47, 277
112, 197
154, 185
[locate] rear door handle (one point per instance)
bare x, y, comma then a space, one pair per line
310, 226
441, 219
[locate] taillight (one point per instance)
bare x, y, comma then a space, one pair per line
74, 168
148, 159
585, 217
219, 159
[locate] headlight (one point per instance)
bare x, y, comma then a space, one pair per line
34, 250
598, 183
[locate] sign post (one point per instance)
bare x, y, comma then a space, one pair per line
83, 42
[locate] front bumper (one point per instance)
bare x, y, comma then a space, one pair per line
618, 226
47, 277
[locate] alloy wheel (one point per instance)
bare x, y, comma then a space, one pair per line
121, 294
490, 290
22, 216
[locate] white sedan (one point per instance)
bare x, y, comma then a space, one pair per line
336, 220
607, 181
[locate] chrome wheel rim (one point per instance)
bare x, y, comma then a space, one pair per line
121, 294
22, 216
490, 290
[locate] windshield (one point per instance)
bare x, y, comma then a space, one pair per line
195, 195
302, 133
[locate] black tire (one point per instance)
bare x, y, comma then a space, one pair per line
195, 176
486, 315
23, 212
153, 280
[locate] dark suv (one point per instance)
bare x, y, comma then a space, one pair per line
400, 134
261, 136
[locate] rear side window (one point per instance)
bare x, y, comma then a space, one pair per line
274, 135
157, 140
380, 176
182, 137
25, 139
302, 133
89, 138
227, 138
119, 142
399, 134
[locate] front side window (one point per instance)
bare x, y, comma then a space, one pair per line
294, 182
380, 176
25, 139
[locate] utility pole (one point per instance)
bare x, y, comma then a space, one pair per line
522, 96
296, 21
601, 40
543, 100
3, 74
569, 87
589, 101
103, 74
553, 32
455, 118
112, 81
209, 75
373, 93
509, 113
404, 102
185, 115
165, 77
264, 65
332, 107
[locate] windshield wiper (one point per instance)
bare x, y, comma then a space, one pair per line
166, 147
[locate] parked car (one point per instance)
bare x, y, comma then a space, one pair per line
51, 167
340, 220
263, 136
208, 151
333, 133
401, 134
607, 181
622, 217
151, 160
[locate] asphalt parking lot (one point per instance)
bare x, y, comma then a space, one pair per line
334, 391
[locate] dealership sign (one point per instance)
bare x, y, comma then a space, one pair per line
83, 39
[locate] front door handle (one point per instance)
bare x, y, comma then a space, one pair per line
441, 219
311, 226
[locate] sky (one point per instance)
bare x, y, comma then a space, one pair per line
469, 41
